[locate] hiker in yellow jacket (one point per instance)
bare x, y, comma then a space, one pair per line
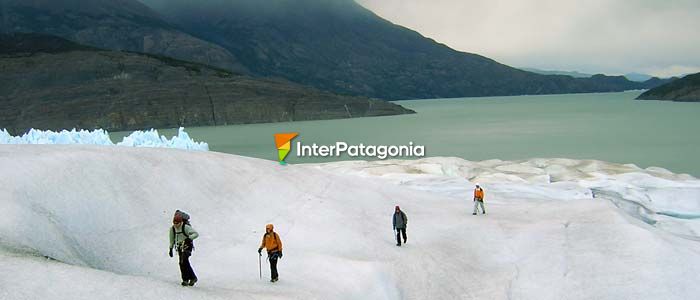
478, 200
272, 242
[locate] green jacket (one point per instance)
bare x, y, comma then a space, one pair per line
177, 237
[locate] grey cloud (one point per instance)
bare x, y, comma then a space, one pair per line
614, 36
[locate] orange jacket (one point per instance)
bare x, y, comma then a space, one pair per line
479, 194
271, 241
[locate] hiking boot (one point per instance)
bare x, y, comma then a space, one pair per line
397, 244
184, 283
483, 212
275, 279
474, 214
192, 282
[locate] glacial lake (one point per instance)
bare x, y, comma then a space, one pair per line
605, 126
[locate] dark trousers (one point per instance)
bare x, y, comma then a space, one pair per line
399, 232
273, 264
185, 267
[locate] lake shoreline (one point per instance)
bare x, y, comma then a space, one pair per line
603, 126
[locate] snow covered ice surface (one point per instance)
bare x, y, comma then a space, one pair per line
102, 215
139, 138
654, 195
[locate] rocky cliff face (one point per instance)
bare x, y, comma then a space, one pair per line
50, 83
686, 89
112, 24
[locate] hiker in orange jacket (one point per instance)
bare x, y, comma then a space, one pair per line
478, 200
272, 242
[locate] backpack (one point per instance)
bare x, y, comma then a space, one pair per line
187, 247
185, 216
274, 235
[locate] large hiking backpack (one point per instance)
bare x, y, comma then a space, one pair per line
185, 216
187, 247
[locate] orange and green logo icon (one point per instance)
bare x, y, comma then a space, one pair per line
283, 142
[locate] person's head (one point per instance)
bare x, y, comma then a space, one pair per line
177, 220
397, 209
269, 228
477, 186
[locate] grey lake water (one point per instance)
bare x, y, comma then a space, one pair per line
607, 126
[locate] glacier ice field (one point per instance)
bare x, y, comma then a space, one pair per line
149, 138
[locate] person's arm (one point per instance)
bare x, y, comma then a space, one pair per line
262, 244
191, 233
393, 220
405, 219
172, 237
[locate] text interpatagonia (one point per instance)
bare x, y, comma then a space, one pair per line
361, 150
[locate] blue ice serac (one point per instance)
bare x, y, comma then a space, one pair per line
149, 138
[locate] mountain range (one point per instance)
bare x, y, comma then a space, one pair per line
574, 74
332, 45
51, 83
633, 76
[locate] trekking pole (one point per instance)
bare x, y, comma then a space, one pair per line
260, 264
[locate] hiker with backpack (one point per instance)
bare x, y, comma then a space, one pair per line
181, 236
272, 243
478, 200
400, 221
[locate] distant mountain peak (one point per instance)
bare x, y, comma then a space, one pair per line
575, 74
633, 76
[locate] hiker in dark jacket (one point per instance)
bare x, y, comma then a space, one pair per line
400, 221
272, 242
181, 236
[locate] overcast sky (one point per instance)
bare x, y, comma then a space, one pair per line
656, 37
